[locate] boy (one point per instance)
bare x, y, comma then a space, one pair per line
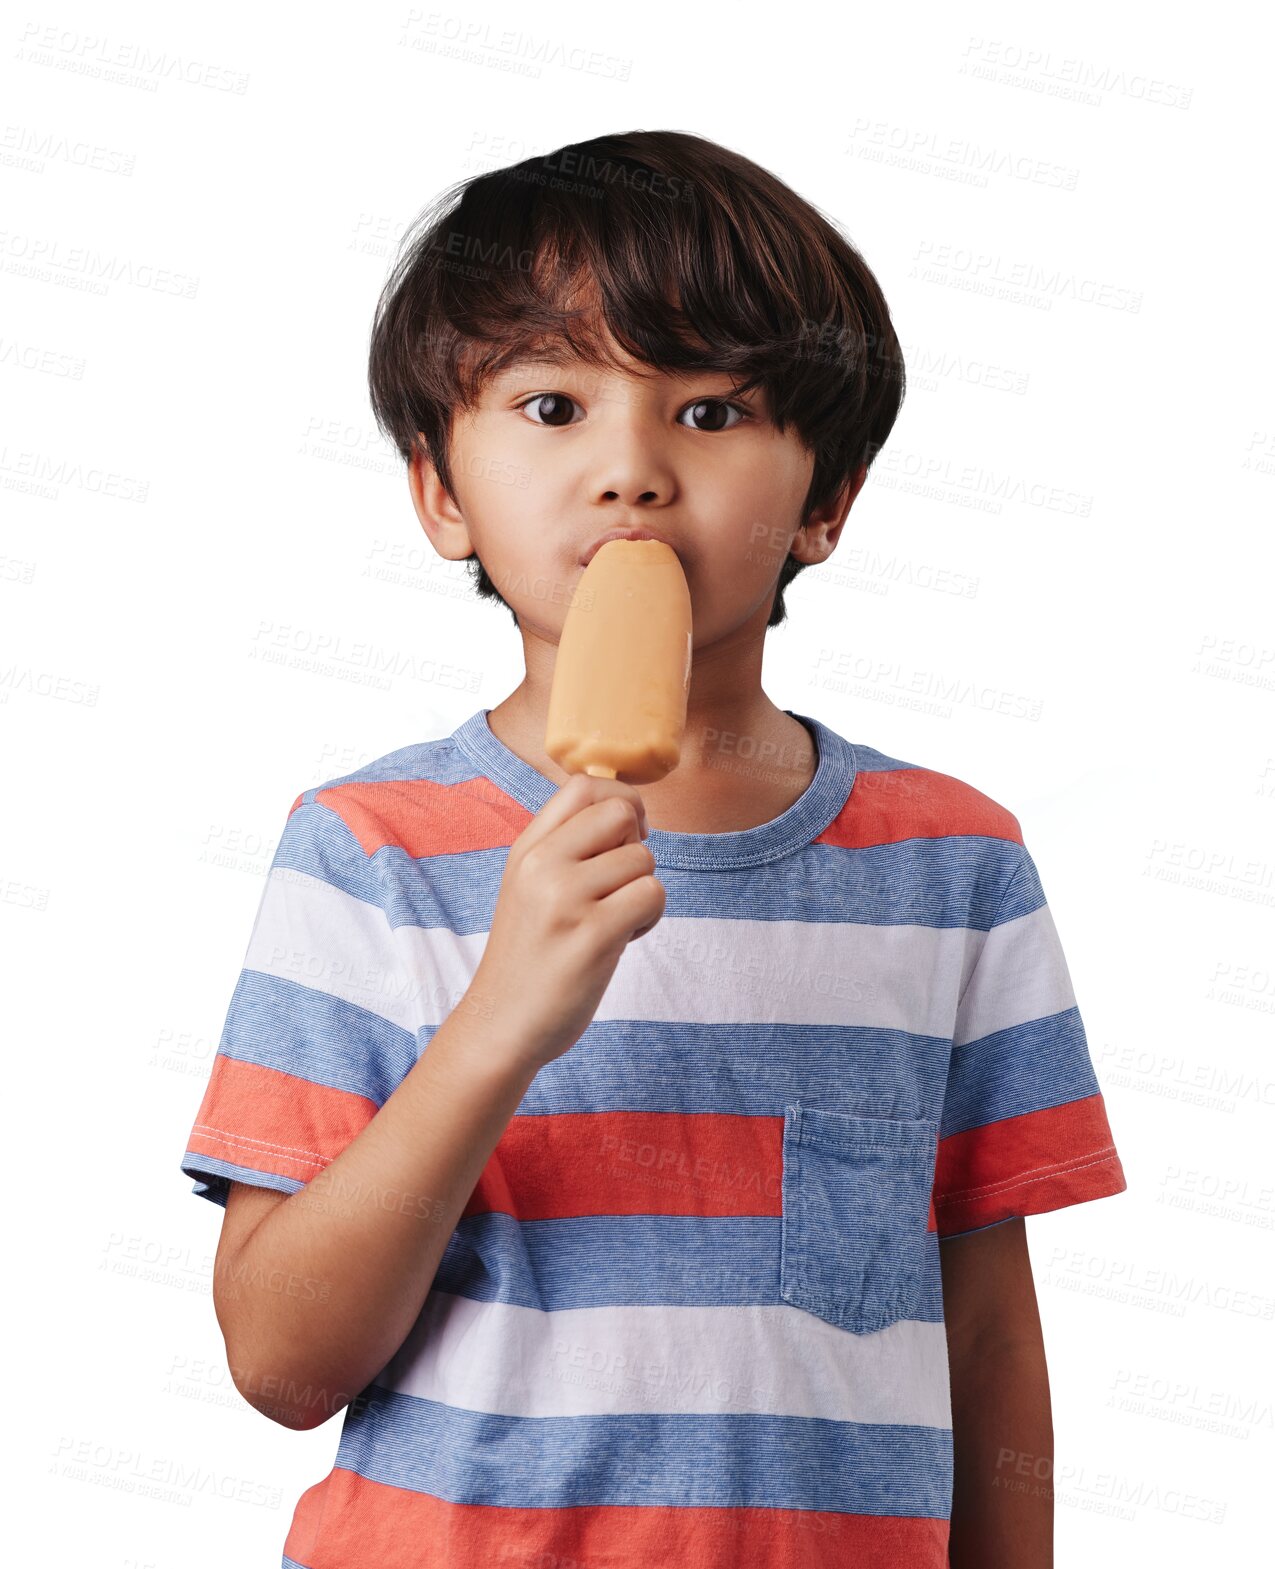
645, 1171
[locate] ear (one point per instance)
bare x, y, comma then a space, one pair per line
439, 515
818, 539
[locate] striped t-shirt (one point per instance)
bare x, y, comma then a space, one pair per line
692, 1312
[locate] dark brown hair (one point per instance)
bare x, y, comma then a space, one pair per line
690, 254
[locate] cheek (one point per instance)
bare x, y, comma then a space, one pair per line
771, 536
777, 478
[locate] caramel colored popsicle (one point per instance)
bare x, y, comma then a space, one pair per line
617, 707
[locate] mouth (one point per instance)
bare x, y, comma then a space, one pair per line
616, 533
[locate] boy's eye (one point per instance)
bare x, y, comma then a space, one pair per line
716, 403
559, 403
550, 398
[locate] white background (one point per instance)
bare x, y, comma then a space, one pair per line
209, 560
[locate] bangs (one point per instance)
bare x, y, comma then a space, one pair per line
588, 283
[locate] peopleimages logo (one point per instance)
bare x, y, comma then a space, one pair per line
125, 64
46, 259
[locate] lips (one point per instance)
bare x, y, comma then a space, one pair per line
615, 533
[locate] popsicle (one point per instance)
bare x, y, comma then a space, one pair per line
617, 706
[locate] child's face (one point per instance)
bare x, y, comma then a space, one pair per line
556, 455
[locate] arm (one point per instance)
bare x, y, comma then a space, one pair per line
1002, 1501
316, 1290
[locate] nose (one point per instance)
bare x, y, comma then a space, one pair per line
632, 468
644, 499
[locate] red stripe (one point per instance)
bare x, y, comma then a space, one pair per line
915, 803
635, 1163
274, 1122
425, 818
346, 1519
659, 1163
1026, 1165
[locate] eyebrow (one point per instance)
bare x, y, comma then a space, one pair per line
562, 359
556, 359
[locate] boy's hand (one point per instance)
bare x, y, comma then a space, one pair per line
578, 887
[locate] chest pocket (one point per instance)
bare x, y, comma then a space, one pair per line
856, 1202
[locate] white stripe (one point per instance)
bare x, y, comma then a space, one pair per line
689, 971
790, 972
608, 1361
309, 932
1020, 975
750, 972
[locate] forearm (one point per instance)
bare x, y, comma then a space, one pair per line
1003, 1499
326, 1288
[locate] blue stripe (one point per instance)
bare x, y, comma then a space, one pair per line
755, 1070
1031, 1067
596, 1261
589, 1261
954, 881
277, 1023
317, 841
212, 1176
1023, 894
749, 1460
747, 1070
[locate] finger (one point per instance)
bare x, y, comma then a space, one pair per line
633, 909
601, 875
603, 826
579, 792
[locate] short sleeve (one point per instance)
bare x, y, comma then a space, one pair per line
319, 1030
1024, 1128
